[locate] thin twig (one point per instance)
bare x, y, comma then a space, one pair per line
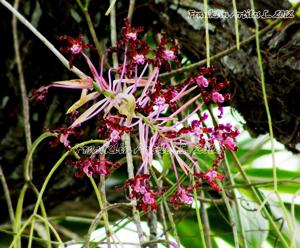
152, 223
85, 11
206, 33
99, 216
231, 217
206, 226
259, 200
130, 10
7, 197
104, 204
113, 32
23, 90
200, 225
164, 222
171, 220
102, 208
265, 183
236, 203
236, 25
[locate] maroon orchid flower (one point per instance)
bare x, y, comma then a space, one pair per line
74, 47
140, 189
89, 167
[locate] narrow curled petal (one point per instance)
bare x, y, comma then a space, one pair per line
98, 78
83, 100
74, 84
85, 116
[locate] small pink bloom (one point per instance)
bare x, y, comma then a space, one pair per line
202, 81
181, 196
76, 48
229, 144
63, 135
115, 136
160, 101
184, 196
168, 55
139, 188
131, 36
139, 59
217, 97
64, 139
212, 175
148, 198
87, 167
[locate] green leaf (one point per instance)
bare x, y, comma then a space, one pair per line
267, 173
256, 227
246, 156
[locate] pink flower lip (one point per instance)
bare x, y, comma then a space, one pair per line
160, 101
217, 97
148, 198
115, 136
76, 48
131, 36
229, 143
168, 55
202, 81
139, 59
185, 198
211, 174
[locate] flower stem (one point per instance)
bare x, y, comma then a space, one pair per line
44, 186
130, 170
206, 33
171, 220
27, 168
7, 197
231, 217
265, 96
130, 10
23, 90
200, 226
85, 11
236, 203
102, 204
236, 25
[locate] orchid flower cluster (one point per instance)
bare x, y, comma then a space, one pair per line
132, 99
